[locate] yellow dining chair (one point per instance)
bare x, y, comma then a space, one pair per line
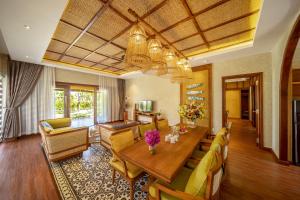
202, 183
129, 171
219, 142
146, 127
163, 125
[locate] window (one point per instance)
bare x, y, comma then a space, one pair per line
80, 102
59, 103
82, 107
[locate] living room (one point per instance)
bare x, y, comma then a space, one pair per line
126, 99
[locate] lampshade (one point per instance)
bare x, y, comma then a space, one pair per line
182, 72
137, 51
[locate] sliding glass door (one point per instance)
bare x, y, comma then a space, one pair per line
82, 110
80, 102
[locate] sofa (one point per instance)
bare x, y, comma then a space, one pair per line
60, 140
109, 129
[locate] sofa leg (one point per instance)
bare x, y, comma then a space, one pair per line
113, 176
131, 189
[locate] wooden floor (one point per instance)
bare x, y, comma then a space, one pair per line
252, 173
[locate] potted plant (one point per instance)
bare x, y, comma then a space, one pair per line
152, 138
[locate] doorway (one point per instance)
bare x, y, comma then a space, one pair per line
242, 100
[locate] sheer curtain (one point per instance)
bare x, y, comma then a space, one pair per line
40, 104
109, 103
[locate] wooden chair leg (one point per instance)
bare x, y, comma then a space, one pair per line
131, 182
113, 176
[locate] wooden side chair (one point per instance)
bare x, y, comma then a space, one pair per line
163, 124
146, 127
202, 183
129, 171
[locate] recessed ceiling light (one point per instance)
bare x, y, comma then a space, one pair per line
27, 27
27, 56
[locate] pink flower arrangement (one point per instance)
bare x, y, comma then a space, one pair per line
152, 137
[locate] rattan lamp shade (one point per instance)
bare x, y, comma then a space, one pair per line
182, 71
158, 63
137, 51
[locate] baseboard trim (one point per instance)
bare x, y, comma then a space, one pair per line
282, 162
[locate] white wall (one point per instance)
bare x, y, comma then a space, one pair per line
68, 76
165, 94
245, 65
277, 57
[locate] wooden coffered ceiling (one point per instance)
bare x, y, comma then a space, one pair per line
93, 34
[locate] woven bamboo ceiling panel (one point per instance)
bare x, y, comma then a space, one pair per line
93, 34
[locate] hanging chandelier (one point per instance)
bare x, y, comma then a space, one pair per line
182, 71
150, 56
137, 51
158, 63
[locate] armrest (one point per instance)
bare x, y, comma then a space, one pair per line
174, 193
68, 131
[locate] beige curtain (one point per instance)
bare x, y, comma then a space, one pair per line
121, 92
110, 105
22, 77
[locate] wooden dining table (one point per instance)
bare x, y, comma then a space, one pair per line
169, 158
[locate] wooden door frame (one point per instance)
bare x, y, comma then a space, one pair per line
250, 75
283, 96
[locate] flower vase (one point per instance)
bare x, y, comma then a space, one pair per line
191, 123
152, 149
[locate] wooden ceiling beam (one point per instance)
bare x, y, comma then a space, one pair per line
194, 15
210, 7
231, 20
129, 21
194, 34
94, 63
222, 38
188, 9
107, 56
91, 22
234, 34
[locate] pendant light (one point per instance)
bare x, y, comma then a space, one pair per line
137, 51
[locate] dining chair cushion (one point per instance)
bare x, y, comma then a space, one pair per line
146, 127
197, 182
178, 184
163, 125
132, 170
120, 141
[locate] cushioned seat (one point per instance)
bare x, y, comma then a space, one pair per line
178, 184
132, 170
146, 127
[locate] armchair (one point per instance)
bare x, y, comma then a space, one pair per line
60, 141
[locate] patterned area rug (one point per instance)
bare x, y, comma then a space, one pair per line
90, 177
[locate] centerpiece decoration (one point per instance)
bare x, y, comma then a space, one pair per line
152, 138
192, 112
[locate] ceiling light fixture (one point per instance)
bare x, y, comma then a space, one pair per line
150, 55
